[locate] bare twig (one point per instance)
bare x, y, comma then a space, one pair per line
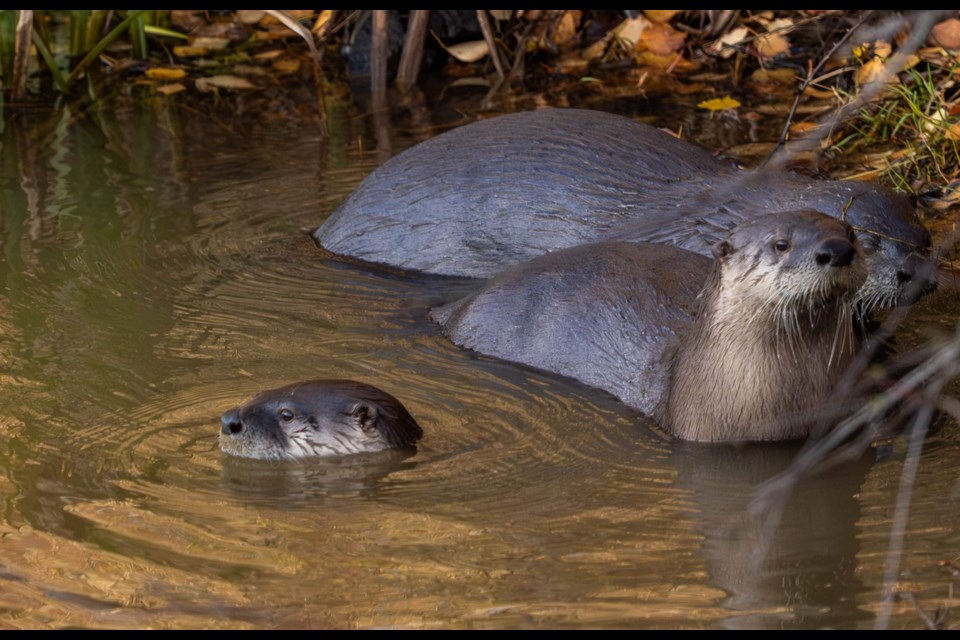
378, 52
810, 80
487, 30
412, 56
21, 56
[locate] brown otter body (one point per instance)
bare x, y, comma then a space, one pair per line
317, 418
762, 345
495, 193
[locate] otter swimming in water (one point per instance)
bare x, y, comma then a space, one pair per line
763, 343
317, 418
480, 198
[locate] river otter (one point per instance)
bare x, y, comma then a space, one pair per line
494, 193
317, 418
763, 343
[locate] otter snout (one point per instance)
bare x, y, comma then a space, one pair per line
230, 424
835, 252
917, 276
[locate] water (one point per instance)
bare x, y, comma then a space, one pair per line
153, 275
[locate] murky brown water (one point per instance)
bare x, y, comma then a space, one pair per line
153, 276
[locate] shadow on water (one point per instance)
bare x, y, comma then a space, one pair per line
154, 275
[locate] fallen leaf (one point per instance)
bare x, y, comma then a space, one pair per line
661, 39
286, 65
802, 128
673, 61
566, 29
501, 15
223, 82
726, 45
660, 16
770, 45
946, 34
248, 16
322, 20
232, 31
211, 44
469, 51
779, 77
874, 70
630, 29
719, 104
296, 14
187, 20
783, 25
269, 55
249, 70
187, 51
165, 73
170, 89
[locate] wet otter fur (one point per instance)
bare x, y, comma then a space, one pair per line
763, 343
494, 193
317, 418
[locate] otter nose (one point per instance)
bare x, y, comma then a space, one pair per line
836, 252
917, 277
230, 424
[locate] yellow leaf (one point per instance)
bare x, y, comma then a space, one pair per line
719, 104
165, 73
770, 45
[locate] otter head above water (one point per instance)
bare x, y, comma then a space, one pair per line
317, 418
773, 333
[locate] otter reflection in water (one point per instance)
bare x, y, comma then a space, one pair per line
317, 418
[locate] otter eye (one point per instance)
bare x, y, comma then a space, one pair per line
286, 415
781, 245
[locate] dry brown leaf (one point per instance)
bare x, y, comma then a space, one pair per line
661, 15
630, 29
779, 77
501, 15
165, 73
802, 128
661, 39
223, 82
211, 44
248, 16
269, 55
673, 61
566, 29
186, 20
874, 71
232, 31
249, 70
770, 45
296, 14
186, 51
946, 34
286, 65
170, 89
726, 45
322, 20
469, 51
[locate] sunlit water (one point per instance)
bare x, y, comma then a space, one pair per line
154, 275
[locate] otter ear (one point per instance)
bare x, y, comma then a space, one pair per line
366, 415
722, 249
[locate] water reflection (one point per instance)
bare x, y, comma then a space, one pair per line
154, 274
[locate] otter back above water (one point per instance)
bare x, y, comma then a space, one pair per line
494, 193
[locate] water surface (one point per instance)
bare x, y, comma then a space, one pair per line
154, 275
